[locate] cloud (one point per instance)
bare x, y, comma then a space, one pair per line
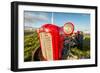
34, 17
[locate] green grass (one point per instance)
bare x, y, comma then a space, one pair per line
85, 53
31, 43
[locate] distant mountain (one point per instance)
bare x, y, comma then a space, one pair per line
29, 28
85, 33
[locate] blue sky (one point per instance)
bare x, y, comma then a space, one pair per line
81, 21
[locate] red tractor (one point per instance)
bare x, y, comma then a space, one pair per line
53, 40
56, 42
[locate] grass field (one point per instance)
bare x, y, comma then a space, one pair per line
85, 53
31, 44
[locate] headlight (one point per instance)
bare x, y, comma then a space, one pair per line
68, 28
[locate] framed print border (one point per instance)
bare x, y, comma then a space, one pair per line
15, 29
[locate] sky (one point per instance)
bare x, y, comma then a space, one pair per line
36, 19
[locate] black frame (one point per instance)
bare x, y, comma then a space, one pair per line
14, 35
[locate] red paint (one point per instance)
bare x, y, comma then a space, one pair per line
58, 35
54, 31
